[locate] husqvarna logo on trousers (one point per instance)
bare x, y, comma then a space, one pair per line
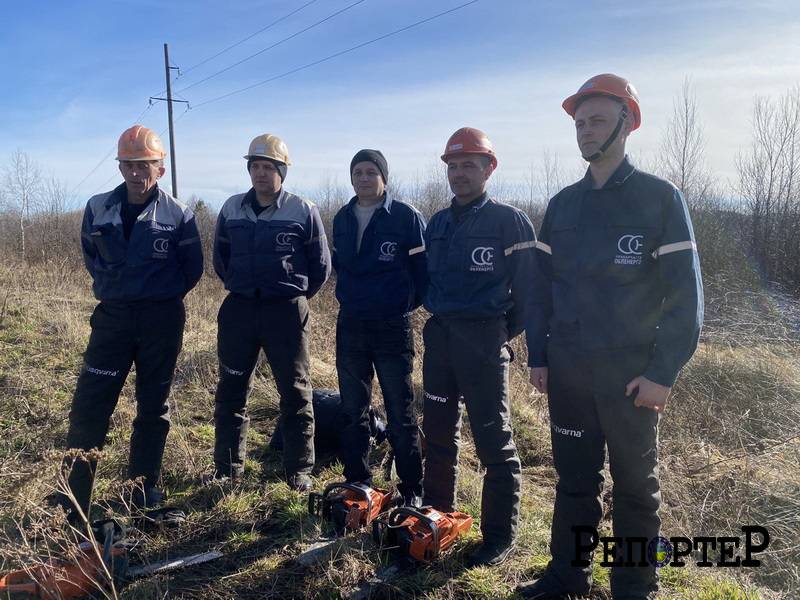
482, 259
630, 250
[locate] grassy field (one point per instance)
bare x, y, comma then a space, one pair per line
729, 446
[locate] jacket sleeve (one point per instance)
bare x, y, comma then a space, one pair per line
318, 255
519, 251
418, 258
88, 248
540, 297
336, 225
190, 251
222, 248
682, 308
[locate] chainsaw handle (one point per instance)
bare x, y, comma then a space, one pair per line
398, 516
350, 487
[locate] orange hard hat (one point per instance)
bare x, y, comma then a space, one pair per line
469, 140
140, 143
607, 84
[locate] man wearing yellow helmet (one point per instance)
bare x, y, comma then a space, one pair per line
271, 252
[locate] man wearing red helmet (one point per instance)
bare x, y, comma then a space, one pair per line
480, 257
613, 318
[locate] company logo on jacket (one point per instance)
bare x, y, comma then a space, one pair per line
482, 259
161, 247
283, 241
630, 247
388, 251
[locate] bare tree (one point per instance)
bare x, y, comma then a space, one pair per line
23, 183
683, 148
768, 180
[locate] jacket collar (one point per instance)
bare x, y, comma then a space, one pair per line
386, 205
251, 194
120, 193
618, 177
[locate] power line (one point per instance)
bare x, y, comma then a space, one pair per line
337, 54
249, 37
278, 43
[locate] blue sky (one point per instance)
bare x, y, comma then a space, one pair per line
77, 73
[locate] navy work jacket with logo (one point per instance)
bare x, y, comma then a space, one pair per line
619, 268
482, 264
276, 255
162, 258
386, 278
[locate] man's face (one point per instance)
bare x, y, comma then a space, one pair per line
140, 176
468, 174
595, 121
367, 180
265, 177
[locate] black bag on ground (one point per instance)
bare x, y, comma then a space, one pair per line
329, 422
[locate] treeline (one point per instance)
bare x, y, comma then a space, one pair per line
748, 228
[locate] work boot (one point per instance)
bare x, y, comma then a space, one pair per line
299, 482
490, 555
147, 497
547, 587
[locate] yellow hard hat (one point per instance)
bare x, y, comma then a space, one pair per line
140, 143
268, 146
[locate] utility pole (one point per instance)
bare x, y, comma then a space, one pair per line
171, 128
169, 102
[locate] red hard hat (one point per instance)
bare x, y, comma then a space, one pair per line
607, 84
469, 140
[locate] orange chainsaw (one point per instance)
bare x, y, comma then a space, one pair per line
349, 506
87, 574
422, 534
62, 579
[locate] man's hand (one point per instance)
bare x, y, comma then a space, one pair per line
651, 395
538, 377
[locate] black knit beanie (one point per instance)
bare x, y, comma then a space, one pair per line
374, 156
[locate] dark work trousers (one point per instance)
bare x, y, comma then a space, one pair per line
388, 348
279, 327
469, 359
148, 334
589, 412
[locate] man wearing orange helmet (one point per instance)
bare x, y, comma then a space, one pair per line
480, 256
142, 249
271, 252
613, 318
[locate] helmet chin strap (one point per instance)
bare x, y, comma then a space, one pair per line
623, 114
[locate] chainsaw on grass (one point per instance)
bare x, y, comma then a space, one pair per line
63, 579
422, 534
349, 506
88, 573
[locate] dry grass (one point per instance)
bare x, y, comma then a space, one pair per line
728, 459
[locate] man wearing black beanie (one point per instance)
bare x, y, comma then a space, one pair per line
379, 256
